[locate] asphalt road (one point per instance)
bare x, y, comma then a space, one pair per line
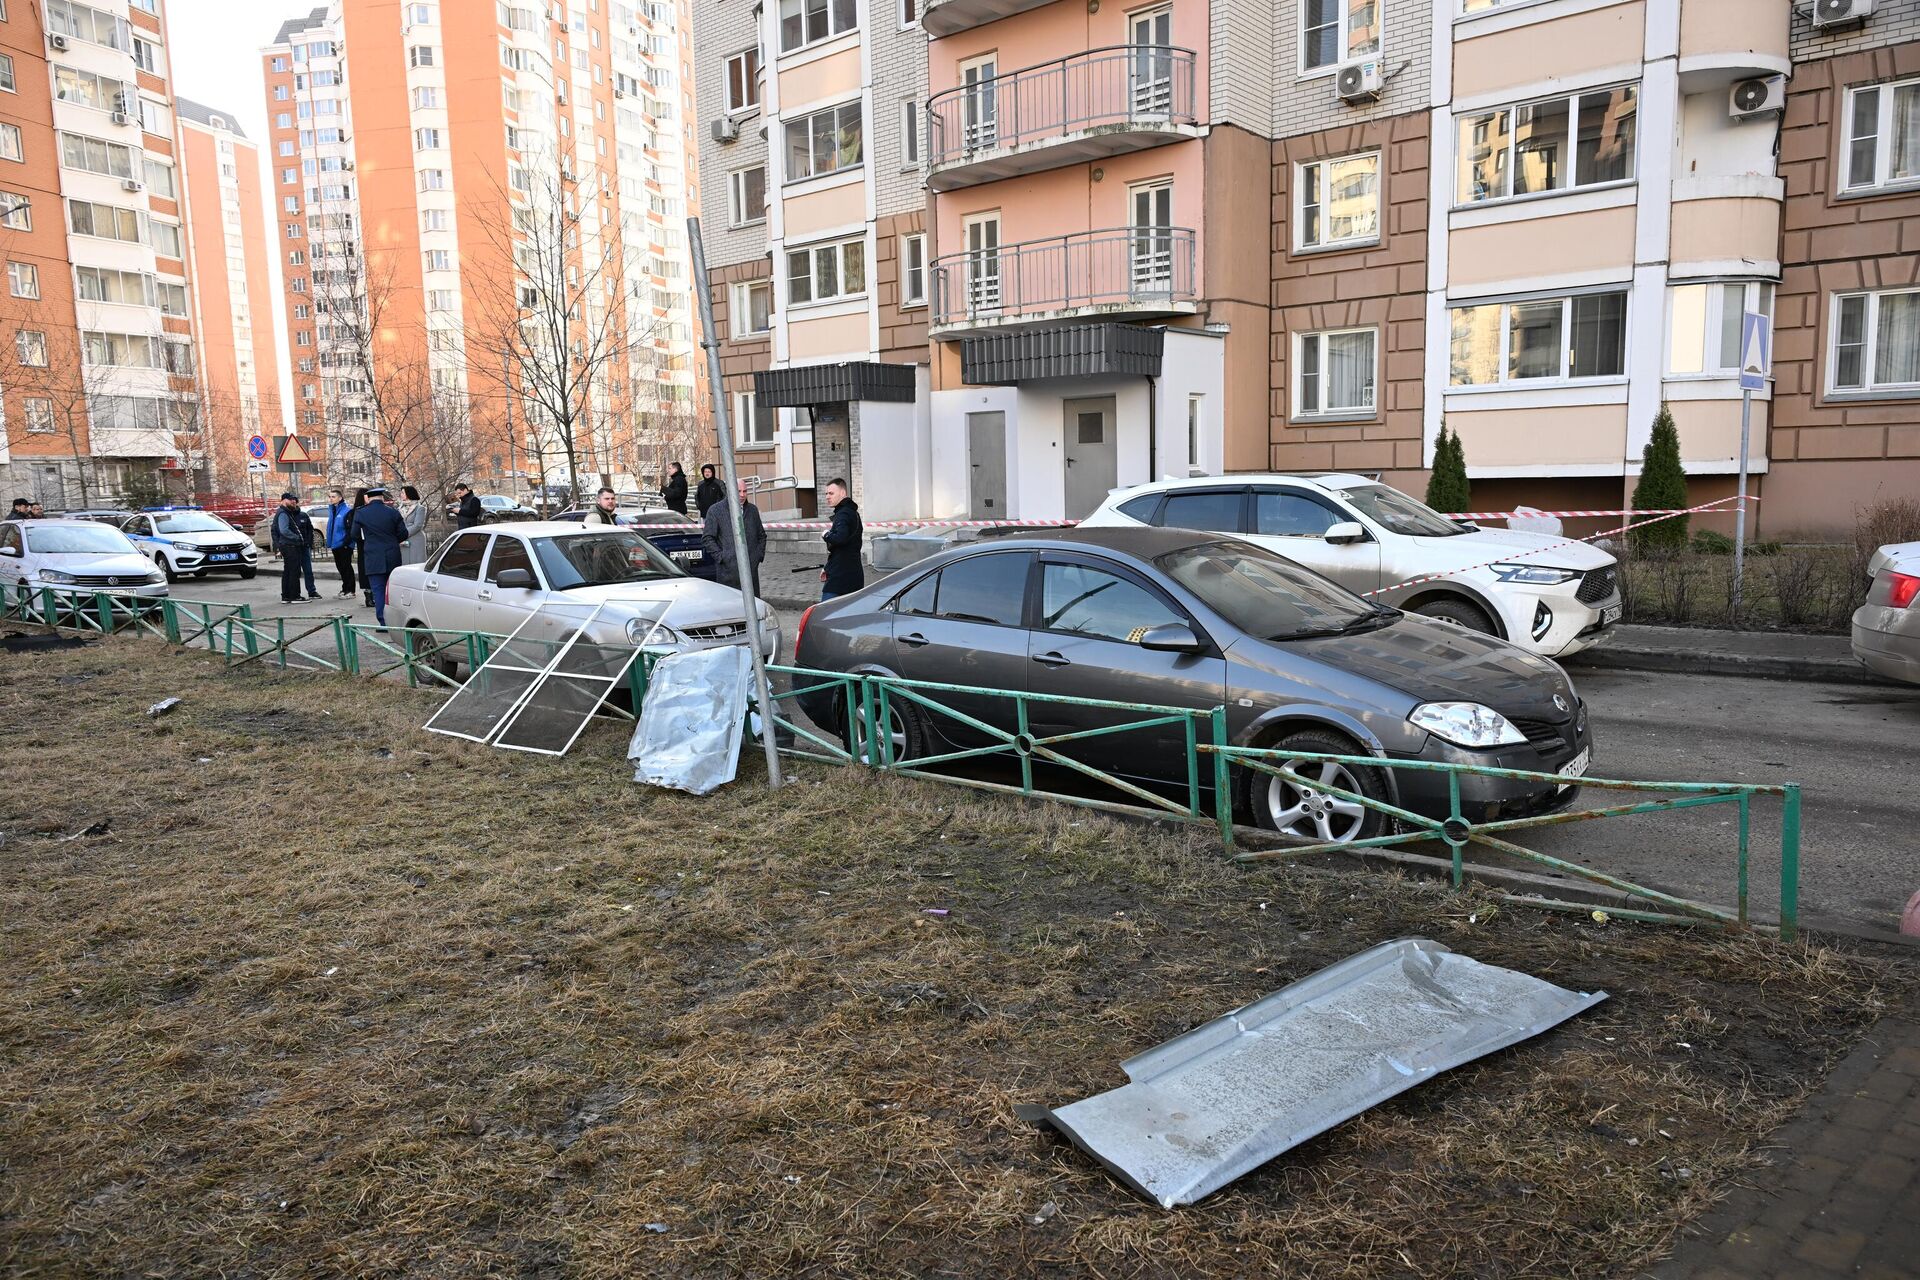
1855, 750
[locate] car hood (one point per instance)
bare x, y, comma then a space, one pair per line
1427, 661
127, 565
1469, 549
693, 602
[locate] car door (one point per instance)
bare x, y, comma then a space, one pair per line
140, 531
964, 625
499, 609
1294, 523
450, 586
1085, 644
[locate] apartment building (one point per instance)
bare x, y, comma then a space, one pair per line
233, 297
813, 219
97, 364
475, 203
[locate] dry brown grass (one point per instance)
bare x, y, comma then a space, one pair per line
310, 1009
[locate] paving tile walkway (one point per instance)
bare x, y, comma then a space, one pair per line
1842, 1195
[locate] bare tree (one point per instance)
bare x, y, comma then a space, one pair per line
47, 368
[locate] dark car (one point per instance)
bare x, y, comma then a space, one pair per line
1179, 618
675, 535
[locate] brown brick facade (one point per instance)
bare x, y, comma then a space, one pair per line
1381, 285
741, 358
903, 330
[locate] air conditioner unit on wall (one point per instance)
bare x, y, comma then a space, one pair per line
56, 41
121, 117
1840, 13
1762, 96
726, 129
1359, 82
131, 184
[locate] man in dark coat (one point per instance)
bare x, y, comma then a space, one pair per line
468, 514
675, 490
709, 492
381, 530
717, 538
292, 538
844, 572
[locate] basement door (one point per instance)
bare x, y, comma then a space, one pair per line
1091, 453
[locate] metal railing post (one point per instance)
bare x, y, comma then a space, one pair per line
1746, 805
103, 605
1455, 846
1790, 864
1222, 773
1026, 757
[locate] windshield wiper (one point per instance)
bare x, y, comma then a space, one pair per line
1365, 622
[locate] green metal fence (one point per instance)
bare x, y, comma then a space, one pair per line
874, 714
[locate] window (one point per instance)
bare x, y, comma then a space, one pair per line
103, 220
420, 55
826, 271
1882, 135
156, 118
1551, 145
146, 56
753, 424
96, 156
1209, 510
909, 134
743, 81
68, 18
11, 147
279, 93
17, 212
802, 22
824, 142
909, 13
102, 284
439, 260
462, 557
1196, 427
1496, 343
987, 588
1337, 202
509, 553
6, 73
1093, 602
440, 300
913, 270
286, 147
1703, 323
280, 64
1335, 372
426, 139
39, 415
433, 179
160, 178
120, 350
1280, 513
170, 298
31, 346
747, 195
1337, 31
752, 308
165, 237
433, 220
1875, 341
426, 97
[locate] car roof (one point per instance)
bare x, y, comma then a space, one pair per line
1328, 481
44, 521
540, 528
1143, 542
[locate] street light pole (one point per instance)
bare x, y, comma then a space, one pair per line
741, 557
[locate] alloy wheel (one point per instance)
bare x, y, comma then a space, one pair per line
1300, 808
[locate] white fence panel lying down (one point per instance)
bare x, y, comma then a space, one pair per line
1227, 1097
690, 727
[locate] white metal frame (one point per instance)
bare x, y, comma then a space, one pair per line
1870, 345
1325, 410
1712, 316
1883, 130
1345, 52
1324, 164
1461, 200
1565, 299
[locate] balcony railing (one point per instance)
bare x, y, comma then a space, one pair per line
1125, 270
1117, 89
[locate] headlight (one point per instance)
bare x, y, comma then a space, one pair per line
639, 628
1466, 724
57, 577
156, 576
1533, 575
184, 546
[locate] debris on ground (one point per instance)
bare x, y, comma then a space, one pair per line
163, 706
99, 828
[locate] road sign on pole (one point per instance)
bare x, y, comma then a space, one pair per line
257, 466
1756, 361
1756, 351
257, 448
292, 451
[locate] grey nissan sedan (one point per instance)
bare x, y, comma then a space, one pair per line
1186, 619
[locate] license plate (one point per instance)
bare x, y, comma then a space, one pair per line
687, 557
1610, 615
1577, 767
224, 555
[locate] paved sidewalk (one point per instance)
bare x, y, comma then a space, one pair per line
1842, 1197
1700, 650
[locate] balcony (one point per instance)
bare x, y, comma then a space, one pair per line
944, 17
1121, 273
1099, 103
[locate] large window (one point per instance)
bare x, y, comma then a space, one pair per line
753, 423
743, 81
827, 271
86, 89
752, 308
1544, 339
97, 156
103, 220
1337, 202
122, 350
802, 22
1552, 145
824, 142
1337, 31
1874, 341
66, 18
747, 195
1335, 373
1703, 323
102, 284
1883, 135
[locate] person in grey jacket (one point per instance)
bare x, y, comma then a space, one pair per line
717, 537
414, 512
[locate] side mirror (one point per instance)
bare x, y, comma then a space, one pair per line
1344, 532
11, 551
1172, 637
514, 579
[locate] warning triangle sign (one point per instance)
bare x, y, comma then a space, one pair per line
291, 450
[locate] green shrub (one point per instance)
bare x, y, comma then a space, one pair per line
1707, 542
1447, 488
1662, 486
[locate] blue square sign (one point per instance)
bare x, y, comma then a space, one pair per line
1756, 351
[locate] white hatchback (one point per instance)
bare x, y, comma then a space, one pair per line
75, 555
496, 577
1527, 588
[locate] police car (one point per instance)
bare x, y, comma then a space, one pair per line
187, 540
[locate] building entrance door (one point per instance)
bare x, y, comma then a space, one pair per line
1092, 454
987, 456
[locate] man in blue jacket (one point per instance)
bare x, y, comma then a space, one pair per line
380, 530
340, 537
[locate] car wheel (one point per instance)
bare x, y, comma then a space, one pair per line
167, 568
1293, 805
424, 641
247, 575
1471, 616
906, 730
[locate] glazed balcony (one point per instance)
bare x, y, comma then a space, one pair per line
944, 17
1121, 273
1081, 107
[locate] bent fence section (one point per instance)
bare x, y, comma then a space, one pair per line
876, 720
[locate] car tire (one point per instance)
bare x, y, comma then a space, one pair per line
247, 575
423, 638
166, 567
1290, 808
1463, 612
910, 736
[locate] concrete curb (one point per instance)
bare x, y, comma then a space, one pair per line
1752, 654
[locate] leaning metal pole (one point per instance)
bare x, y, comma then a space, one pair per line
724, 429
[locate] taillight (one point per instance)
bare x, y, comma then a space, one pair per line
1902, 588
801, 635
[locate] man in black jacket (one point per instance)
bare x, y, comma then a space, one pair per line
844, 572
709, 492
675, 490
380, 530
469, 513
292, 538
717, 538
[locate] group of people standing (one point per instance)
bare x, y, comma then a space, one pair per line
844, 571
369, 537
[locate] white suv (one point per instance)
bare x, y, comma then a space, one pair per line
1369, 537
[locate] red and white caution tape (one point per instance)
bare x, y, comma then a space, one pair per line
1572, 515
930, 524
1569, 542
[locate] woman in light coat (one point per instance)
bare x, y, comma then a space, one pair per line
414, 512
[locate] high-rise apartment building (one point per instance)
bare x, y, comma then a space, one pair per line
97, 371
234, 301
480, 213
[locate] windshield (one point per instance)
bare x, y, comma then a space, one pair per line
655, 517
190, 522
496, 501
600, 559
1399, 513
1265, 595
78, 540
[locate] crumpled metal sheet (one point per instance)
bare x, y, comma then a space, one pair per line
690, 726
1225, 1098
